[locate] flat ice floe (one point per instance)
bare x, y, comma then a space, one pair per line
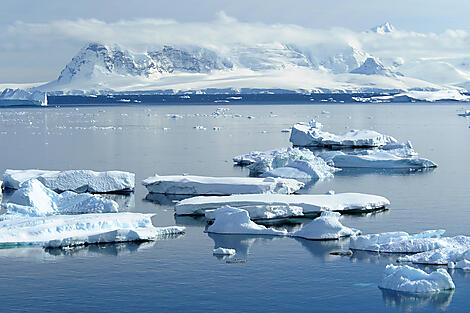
409, 279
310, 204
310, 135
325, 227
300, 164
73, 180
392, 156
34, 199
229, 220
70, 230
203, 185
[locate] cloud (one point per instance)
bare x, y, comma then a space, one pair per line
221, 34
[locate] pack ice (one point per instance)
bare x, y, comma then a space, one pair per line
34, 199
409, 279
203, 185
300, 164
392, 156
311, 135
284, 205
73, 180
71, 230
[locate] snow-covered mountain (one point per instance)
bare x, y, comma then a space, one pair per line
324, 66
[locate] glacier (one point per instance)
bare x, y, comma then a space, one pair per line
413, 280
73, 180
204, 185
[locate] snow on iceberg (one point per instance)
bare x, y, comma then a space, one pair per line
34, 199
462, 264
305, 135
452, 249
325, 227
409, 279
294, 163
202, 185
398, 158
265, 212
70, 230
73, 180
229, 220
399, 242
310, 204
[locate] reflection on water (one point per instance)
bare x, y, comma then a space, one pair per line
163, 199
126, 201
241, 243
410, 302
191, 221
112, 249
374, 257
355, 172
322, 249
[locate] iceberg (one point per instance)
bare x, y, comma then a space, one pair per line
223, 251
377, 158
73, 180
306, 135
34, 199
464, 114
295, 163
71, 230
409, 279
399, 242
265, 212
310, 204
203, 185
452, 249
229, 220
325, 227
463, 265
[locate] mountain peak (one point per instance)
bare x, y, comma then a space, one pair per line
383, 28
372, 66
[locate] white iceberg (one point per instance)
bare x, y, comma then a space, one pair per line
462, 264
223, 251
325, 227
399, 242
287, 163
34, 199
69, 230
265, 212
409, 279
304, 135
203, 185
379, 158
73, 180
229, 220
451, 249
310, 204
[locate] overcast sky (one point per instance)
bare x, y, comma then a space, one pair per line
37, 38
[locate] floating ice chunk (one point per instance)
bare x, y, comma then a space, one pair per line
229, 220
265, 212
310, 204
223, 251
399, 242
463, 265
304, 135
452, 249
325, 227
69, 230
374, 159
73, 180
464, 114
34, 199
409, 279
263, 163
203, 185
288, 172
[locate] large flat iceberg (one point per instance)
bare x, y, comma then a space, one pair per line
73, 180
34, 199
409, 279
310, 135
202, 185
69, 230
325, 227
310, 204
398, 158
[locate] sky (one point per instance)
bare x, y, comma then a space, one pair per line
37, 38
